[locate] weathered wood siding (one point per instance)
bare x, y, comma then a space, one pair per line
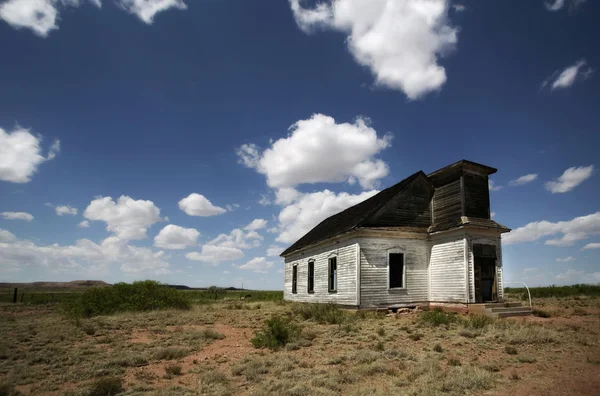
447, 202
497, 242
447, 270
477, 196
346, 274
374, 271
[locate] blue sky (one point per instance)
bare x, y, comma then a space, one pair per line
191, 141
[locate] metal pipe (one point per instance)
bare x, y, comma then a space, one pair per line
528, 292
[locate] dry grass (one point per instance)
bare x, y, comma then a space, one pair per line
337, 352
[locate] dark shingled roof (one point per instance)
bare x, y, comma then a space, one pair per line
462, 221
352, 217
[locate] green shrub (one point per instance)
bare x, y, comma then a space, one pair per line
108, 386
173, 369
556, 291
438, 348
276, 333
212, 334
454, 362
437, 317
170, 353
541, 313
511, 350
137, 296
415, 336
320, 313
477, 321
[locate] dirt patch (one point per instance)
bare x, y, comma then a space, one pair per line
140, 337
225, 352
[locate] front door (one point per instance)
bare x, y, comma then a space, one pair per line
485, 273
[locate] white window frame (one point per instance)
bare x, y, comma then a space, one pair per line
337, 270
391, 251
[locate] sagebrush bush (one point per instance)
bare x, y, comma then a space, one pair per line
320, 313
541, 313
437, 317
276, 333
137, 296
108, 386
478, 321
173, 369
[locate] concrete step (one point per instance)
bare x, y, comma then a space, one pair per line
508, 309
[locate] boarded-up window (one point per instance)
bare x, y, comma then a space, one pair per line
396, 269
311, 276
333, 274
295, 279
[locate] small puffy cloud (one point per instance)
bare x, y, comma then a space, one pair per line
264, 200
84, 224
566, 78
556, 5
305, 155
591, 246
297, 219
256, 224
257, 264
175, 237
65, 209
127, 218
492, 186
570, 179
286, 195
16, 216
398, 41
215, 254
459, 7
274, 250
238, 239
198, 205
565, 259
7, 236
493, 214
526, 270
523, 180
21, 154
147, 9
232, 207
572, 231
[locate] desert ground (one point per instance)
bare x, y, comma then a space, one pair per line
208, 350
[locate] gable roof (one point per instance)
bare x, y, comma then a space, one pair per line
359, 214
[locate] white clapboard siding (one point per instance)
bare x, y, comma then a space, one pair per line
374, 271
496, 241
346, 274
448, 270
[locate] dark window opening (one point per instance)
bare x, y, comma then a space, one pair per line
396, 269
311, 276
295, 279
333, 274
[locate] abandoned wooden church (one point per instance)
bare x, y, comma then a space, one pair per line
428, 239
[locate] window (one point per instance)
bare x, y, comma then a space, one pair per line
396, 270
332, 274
311, 277
295, 279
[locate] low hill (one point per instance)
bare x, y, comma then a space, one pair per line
56, 285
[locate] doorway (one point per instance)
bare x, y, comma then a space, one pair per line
484, 271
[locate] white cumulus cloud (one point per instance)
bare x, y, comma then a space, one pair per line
215, 254
198, 205
274, 250
65, 209
306, 154
257, 264
565, 259
147, 9
175, 237
572, 231
492, 186
16, 216
567, 77
127, 218
84, 224
570, 179
400, 41
523, 180
556, 5
238, 239
594, 245
256, 224
297, 219
7, 236
21, 155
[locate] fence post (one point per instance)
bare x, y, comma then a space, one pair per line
15, 296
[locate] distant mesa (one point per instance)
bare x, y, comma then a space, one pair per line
57, 285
